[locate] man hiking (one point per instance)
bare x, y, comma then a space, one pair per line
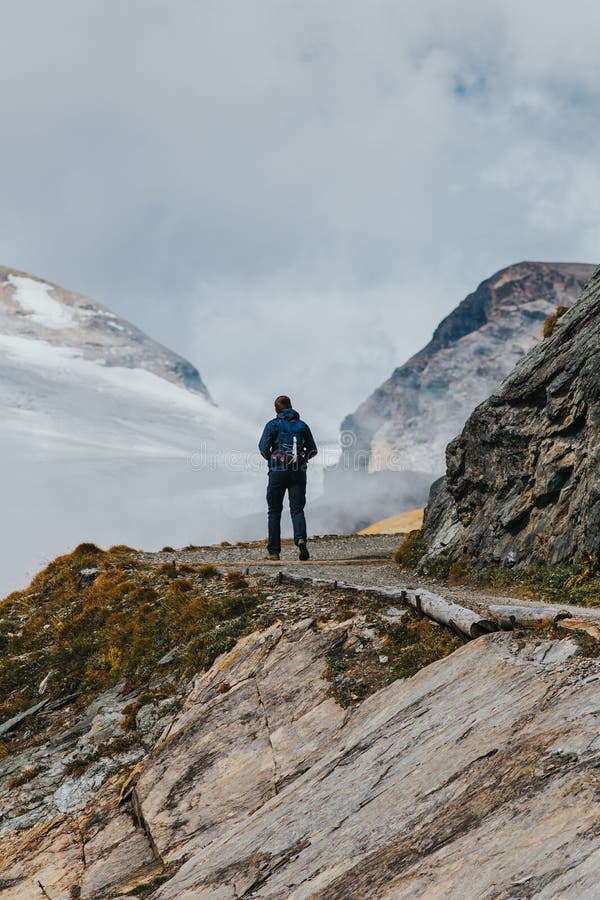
287, 445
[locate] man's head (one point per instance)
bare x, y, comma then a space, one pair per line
282, 402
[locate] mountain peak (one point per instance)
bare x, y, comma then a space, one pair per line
407, 421
33, 308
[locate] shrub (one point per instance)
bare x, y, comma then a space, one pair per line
114, 631
459, 571
180, 586
207, 571
577, 583
236, 581
551, 321
411, 550
436, 566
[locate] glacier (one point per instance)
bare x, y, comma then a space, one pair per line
107, 436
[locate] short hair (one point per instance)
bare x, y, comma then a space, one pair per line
282, 402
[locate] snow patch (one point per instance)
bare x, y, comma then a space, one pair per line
69, 363
34, 296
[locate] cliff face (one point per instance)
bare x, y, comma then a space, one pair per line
407, 422
523, 478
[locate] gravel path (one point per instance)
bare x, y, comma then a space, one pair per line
322, 549
365, 560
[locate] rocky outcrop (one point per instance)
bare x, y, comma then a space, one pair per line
255, 722
476, 777
407, 422
522, 479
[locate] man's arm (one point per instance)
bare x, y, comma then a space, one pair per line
265, 445
311, 447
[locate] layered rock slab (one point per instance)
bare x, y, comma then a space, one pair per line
476, 775
96, 852
258, 718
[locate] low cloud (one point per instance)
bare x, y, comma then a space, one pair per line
295, 192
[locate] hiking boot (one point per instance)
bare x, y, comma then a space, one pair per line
272, 556
303, 553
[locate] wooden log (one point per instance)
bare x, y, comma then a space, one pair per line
509, 617
458, 618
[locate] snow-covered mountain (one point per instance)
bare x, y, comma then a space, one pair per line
76, 376
37, 310
106, 435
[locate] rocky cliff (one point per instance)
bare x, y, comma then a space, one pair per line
407, 422
522, 479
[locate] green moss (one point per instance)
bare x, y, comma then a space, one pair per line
577, 583
408, 647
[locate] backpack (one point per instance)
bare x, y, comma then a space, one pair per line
291, 443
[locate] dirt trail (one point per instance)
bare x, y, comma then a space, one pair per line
365, 560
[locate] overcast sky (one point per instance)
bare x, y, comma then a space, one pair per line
292, 194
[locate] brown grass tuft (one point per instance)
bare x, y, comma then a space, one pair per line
551, 321
411, 550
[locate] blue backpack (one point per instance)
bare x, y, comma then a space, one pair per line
291, 443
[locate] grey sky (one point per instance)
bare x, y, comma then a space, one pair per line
293, 193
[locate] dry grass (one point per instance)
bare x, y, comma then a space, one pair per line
400, 524
116, 628
551, 321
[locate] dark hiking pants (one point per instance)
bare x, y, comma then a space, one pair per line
294, 482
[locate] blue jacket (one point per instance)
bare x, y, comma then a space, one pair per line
269, 443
